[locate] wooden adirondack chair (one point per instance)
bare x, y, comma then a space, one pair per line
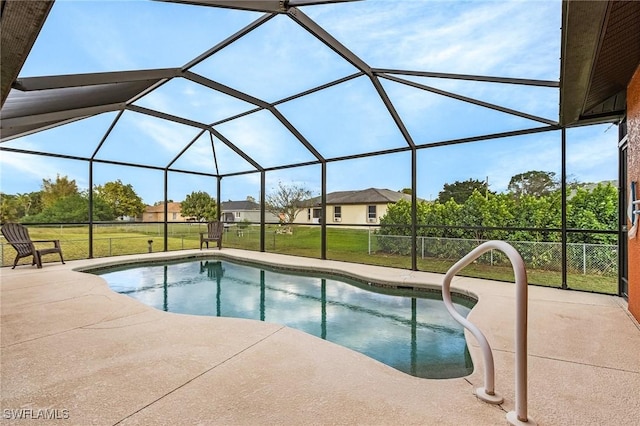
214, 233
18, 236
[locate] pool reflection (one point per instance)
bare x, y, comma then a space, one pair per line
408, 330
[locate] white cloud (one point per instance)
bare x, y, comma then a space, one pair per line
172, 137
506, 164
32, 169
100, 40
451, 36
592, 155
266, 139
274, 61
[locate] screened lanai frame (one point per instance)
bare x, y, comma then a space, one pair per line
39, 103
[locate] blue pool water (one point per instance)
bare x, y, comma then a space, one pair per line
409, 330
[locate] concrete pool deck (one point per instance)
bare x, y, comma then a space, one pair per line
73, 349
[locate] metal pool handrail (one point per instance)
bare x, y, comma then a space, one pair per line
487, 393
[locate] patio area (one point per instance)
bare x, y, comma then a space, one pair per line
75, 350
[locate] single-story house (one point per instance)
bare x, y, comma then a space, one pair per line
156, 213
241, 211
363, 207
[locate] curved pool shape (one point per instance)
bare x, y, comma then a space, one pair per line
407, 329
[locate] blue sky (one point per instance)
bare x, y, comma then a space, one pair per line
496, 38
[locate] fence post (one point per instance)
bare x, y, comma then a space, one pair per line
109, 246
584, 259
422, 239
369, 243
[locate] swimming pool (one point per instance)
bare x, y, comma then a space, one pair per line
407, 329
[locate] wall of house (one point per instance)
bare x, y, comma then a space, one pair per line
237, 216
176, 217
159, 217
356, 214
351, 214
250, 215
156, 213
633, 174
303, 216
149, 217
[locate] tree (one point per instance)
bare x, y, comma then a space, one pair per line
397, 219
8, 208
443, 214
593, 209
14, 207
250, 198
536, 183
122, 199
28, 203
460, 191
287, 200
537, 212
493, 210
199, 205
53, 191
73, 209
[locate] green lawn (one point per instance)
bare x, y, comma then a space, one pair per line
344, 244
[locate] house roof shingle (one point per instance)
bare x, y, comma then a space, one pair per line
172, 207
243, 205
364, 196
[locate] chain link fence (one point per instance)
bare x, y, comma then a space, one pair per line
599, 259
117, 239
